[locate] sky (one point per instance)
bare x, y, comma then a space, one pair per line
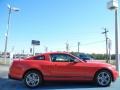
55, 23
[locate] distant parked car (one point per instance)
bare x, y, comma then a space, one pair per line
61, 66
85, 56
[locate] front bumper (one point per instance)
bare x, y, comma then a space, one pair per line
115, 75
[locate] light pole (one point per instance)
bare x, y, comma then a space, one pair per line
46, 49
113, 5
106, 39
67, 46
109, 49
10, 9
78, 47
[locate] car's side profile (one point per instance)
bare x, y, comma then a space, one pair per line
61, 66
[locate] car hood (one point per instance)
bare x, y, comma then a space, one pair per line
100, 64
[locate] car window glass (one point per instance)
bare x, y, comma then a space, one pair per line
62, 58
59, 58
71, 58
39, 58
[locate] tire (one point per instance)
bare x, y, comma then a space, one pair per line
33, 79
103, 78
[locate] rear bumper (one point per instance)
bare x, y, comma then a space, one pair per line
14, 78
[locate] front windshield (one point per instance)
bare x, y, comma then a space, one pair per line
77, 59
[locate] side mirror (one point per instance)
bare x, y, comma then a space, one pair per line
74, 61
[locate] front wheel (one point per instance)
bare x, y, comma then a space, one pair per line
103, 78
33, 79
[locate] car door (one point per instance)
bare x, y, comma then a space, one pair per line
64, 66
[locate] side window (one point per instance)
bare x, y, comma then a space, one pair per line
59, 58
42, 57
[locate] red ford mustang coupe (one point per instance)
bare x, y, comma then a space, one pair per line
61, 66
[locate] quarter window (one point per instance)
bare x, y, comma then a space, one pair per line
39, 57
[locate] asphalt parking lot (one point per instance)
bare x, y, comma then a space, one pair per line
7, 84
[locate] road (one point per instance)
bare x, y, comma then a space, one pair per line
7, 84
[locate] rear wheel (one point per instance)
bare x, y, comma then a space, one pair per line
33, 79
103, 78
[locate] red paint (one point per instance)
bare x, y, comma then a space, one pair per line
60, 70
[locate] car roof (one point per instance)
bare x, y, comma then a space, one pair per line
47, 53
56, 53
